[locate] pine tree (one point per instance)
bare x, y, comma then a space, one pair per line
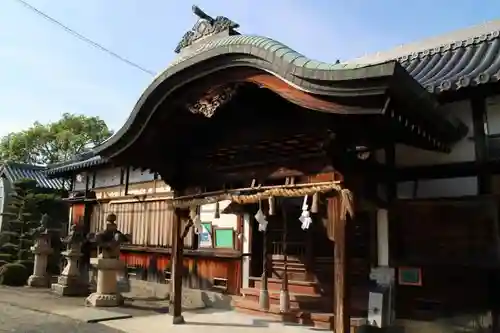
21, 216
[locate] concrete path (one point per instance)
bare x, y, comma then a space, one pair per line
207, 321
146, 317
19, 320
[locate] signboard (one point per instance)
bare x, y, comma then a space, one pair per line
409, 276
205, 237
133, 190
224, 238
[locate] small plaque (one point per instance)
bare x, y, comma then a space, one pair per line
205, 237
410, 276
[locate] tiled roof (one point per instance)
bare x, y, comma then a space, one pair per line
449, 62
464, 58
80, 162
16, 171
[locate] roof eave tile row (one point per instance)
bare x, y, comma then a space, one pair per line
73, 165
16, 171
456, 65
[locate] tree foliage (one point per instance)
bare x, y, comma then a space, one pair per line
54, 142
22, 215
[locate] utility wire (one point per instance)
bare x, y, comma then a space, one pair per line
83, 38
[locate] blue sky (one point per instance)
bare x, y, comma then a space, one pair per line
45, 71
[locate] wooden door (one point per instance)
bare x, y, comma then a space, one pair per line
77, 213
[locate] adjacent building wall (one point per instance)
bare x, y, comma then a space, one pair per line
493, 115
5, 193
463, 151
449, 240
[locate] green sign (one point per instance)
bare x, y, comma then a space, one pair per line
410, 276
224, 238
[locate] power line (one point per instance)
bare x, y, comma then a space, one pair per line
83, 38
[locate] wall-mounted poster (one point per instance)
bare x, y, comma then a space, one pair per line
205, 239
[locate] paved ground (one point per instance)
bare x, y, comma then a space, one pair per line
28, 310
208, 321
45, 301
16, 319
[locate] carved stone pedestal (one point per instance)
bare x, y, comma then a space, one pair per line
70, 283
70, 286
41, 250
107, 294
108, 265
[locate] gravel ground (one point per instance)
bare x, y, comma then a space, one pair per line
15, 319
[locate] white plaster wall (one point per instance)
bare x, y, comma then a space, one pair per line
493, 115
246, 250
438, 188
383, 237
463, 151
107, 177
224, 221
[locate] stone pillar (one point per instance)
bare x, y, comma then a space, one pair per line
108, 266
41, 250
70, 282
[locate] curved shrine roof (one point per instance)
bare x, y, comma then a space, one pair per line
461, 59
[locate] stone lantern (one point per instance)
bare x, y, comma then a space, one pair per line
41, 249
70, 283
108, 265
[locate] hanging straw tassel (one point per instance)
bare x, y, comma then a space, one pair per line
272, 207
315, 203
217, 211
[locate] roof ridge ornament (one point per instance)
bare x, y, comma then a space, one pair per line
204, 27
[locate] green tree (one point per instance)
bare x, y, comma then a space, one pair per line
54, 142
22, 214
20, 218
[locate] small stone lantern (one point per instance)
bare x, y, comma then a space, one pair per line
70, 283
108, 265
41, 249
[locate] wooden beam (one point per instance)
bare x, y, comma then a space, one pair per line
177, 269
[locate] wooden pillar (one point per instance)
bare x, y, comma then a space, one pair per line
341, 288
284, 294
494, 274
177, 268
264, 292
309, 254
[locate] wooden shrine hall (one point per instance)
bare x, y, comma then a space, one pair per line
287, 138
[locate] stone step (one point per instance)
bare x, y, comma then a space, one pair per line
302, 301
316, 319
295, 315
298, 287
